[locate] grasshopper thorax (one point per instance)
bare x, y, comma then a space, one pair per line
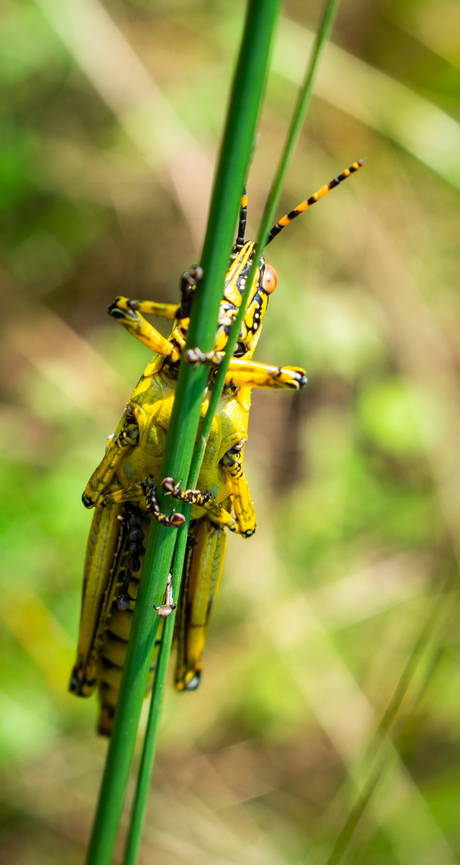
263, 285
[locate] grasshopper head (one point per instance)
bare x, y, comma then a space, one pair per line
235, 282
265, 278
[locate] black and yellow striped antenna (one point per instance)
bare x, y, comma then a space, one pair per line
304, 205
242, 220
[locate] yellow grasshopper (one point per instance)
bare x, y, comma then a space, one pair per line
122, 490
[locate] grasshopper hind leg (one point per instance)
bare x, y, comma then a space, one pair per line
121, 600
193, 683
203, 570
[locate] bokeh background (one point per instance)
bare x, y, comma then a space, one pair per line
331, 691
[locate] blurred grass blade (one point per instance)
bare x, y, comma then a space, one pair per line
129, 89
236, 148
375, 759
310, 656
375, 99
268, 218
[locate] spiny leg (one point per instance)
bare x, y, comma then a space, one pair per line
124, 311
170, 311
188, 284
147, 307
239, 242
202, 573
250, 373
242, 502
195, 357
134, 492
204, 500
304, 205
130, 313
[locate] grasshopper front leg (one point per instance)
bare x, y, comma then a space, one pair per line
130, 313
137, 491
245, 522
250, 373
214, 510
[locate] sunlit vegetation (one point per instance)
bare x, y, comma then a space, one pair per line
109, 128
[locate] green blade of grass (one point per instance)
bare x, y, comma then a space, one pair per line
236, 148
148, 753
374, 759
268, 218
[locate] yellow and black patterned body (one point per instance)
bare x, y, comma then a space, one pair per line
123, 487
118, 532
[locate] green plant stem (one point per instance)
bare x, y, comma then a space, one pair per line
236, 147
134, 838
373, 760
148, 753
268, 218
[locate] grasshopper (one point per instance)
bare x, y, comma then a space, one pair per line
123, 488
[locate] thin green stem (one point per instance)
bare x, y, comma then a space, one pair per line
373, 759
267, 221
298, 118
147, 759
148, 752
236, 147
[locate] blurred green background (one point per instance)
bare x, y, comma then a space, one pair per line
109, 122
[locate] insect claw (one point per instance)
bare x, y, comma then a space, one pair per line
193, 274
74, 683
169, 487
123, 602
195, 357
176, 520
188, 283
165, 610
194, 682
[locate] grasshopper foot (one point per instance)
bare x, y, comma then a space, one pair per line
293, 377
173, 520
74, 683
195, 357
166, 609
188, 286
194, 682
190, 497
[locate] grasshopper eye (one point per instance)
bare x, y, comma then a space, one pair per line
269, 279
